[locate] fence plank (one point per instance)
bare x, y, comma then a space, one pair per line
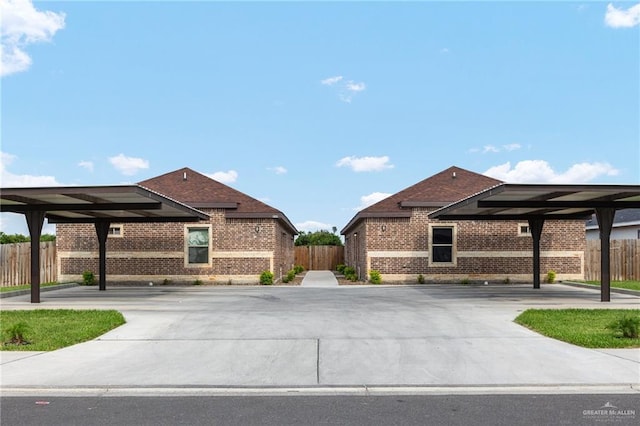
319, 258
624, 260
15, 262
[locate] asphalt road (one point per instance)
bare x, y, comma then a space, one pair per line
477, 410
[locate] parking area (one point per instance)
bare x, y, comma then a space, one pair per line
430, 335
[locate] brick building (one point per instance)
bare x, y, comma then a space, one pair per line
242, 238
396, 238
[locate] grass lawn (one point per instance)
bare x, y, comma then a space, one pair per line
581, 327
629, 285
51, 329
25, 287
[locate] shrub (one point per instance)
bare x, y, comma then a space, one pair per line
266, 278
626, 327
15, 333
350, 273
298, 269
197, 282
464, 281
166, 281
291, 275
551, 277
340, 268
506, 281
375, 277
88, 278
421, 279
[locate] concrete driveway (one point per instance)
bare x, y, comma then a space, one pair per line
430, 335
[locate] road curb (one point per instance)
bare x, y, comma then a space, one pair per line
42, 289
596, 287
361, 390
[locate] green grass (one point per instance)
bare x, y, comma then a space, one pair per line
48, 330
581, 327
629, 285
26, 287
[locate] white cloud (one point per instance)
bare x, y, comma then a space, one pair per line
14, 223
347, 89
494, 149
620, 18
354, 87
23, 25
444, 50
345, 97
10, 180
279, 170
365, 164
86, 165
368, 200
224, 177
539, 171
128, 165
331, 80
313, 226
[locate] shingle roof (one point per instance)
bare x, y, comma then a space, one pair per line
625, 216
443, 188
200, 191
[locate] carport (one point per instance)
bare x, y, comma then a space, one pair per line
100, 205
537, 203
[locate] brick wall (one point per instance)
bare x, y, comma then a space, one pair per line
241, 250
484, 250
284, 251
355, 249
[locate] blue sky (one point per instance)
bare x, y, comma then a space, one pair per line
318, 108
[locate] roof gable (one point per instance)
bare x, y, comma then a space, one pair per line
195, 189
449, 185
443, 188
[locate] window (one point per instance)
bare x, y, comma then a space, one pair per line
197, 246
115, 231
442, 244
524, 230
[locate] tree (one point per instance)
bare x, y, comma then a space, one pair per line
318, 238
19, 238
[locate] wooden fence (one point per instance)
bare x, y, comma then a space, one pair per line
15, 263
625, 260
319, 258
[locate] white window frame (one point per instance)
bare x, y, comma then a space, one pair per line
521, 232
454, 244
120, 229
186, 246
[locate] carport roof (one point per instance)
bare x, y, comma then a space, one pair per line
90, 204
540, 201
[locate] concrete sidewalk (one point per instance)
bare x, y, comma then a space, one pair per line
445, 336
319, 279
